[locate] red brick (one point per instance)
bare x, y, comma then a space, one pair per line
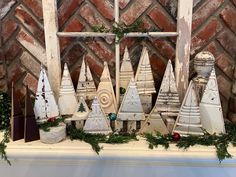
158, 65
162, 19
224, 86
126, 42
134, 11
164, 48
30, 63
224, 105
2, 71
101, 50
228, 15
6, 6
94, 65
74, 25
65, 42
205, 11
123, 3
32, 45
170, 5
20, 92
145, 25
91, 16
228, 41
225, 64
105, 8
234, 1
205, 34
2, 55
31, 82
12, 51
232, 117
75, 76
27, 20
67, 9
8, 28
74, 54
234, 88
213, 48
15, 72
232, 104
35, 6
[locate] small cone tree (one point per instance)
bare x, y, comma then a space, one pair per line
81, 108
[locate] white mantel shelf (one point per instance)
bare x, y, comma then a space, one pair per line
76, 158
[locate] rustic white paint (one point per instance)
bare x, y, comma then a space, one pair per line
70, 158
86, 87
154, 123
52, 44
45, 104
210, 107
117, 51
80, 116
144, 78
145, 81
167, 103
131, 34
126, 70
184, 26
97, 121
67, 101
131, 106
105, 92
32, 46
6, 8
54, 135
188, 121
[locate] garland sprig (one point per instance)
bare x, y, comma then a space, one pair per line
51, 122
120, 29
5, 113
220, 142
95, 139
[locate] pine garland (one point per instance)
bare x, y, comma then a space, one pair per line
120, 29
5, 113
95, 139
221, 142
51, 122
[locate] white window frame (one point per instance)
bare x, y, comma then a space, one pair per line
184, 23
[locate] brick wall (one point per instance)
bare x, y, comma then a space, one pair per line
23, 48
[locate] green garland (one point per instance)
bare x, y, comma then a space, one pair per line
120, 29
95, 139
221, 142
52, 122
5, 113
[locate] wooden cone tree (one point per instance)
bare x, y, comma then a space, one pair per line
97, 121
131, 106
167, 103
45, 104
126, 70
67, 101
86, 87
188, 121
105, 92
145, 82
210, 107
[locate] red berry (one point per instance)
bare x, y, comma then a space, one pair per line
51, 119
176, 137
